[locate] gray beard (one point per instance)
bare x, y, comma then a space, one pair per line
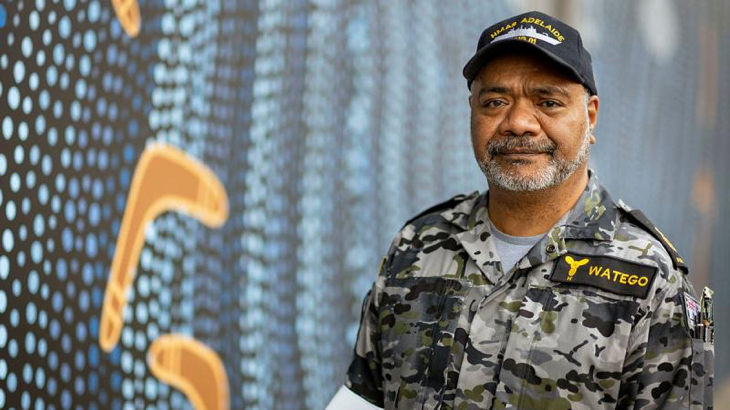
556, 171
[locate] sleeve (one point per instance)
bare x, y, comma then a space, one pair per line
364, 374
345, 399
665, 366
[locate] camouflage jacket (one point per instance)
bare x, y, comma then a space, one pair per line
593, 317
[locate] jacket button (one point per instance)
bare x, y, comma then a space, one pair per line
550, 248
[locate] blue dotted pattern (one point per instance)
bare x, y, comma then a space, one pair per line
72, 124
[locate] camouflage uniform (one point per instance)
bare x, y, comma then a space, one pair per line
444, 327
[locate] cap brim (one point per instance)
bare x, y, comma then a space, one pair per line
480, 59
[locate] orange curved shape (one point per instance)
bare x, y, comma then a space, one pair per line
192, 368
165, 179
128, 15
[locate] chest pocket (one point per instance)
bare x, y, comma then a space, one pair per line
566, 347
418, 316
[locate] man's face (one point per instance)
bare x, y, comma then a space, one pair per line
530, 123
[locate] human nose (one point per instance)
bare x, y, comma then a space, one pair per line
520, 120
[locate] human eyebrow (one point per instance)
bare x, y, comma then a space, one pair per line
492, 89
549, 91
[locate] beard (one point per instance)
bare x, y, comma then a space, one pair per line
554, 173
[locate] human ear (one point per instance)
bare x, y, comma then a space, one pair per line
592, 112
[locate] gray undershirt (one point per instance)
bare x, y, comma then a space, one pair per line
511, 249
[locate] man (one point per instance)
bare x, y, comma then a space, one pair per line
543, 292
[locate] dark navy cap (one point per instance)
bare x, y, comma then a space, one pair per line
545, 34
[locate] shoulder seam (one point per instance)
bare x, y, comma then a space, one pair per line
451, 202
638, 218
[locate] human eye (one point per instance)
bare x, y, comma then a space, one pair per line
550, 104
493, 103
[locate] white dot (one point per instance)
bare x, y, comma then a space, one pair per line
19, 154
8, 241
26, 208
94, 11
15, 182
23, 130
34, 20
27, 44
69, 62
4, 267
35, 152
33, 81
89, 40
80, 88
27, 105
47, 165
69, 4
52, 137
36, 252
75, 110
7, 127
45, 98
29, 182
64, 27
40, 125
38, 225
14, 97
19, 71
43, 194
10, 210
57, 109
40, 57
47, 36
65, 162
58, 54
85, 65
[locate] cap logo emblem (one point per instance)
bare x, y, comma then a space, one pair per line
527, 32
522, 33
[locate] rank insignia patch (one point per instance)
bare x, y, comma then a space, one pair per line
606, 273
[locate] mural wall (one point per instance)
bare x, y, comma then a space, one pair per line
195, 195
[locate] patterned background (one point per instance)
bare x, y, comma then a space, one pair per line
329, 122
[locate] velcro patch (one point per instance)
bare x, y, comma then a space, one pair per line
606, 273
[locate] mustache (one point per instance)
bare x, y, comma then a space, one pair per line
499, 147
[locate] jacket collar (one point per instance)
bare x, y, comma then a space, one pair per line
594, 216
